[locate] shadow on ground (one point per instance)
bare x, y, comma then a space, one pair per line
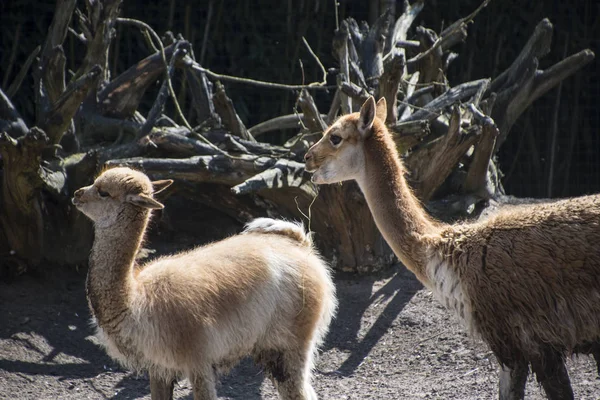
355, 295
46, 332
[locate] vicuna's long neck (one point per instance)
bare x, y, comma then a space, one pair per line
110, 281
397, 212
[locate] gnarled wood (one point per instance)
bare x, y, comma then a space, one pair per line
431, 164
445, 134
121, 97
225, 109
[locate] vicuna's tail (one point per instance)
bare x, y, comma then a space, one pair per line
293, 230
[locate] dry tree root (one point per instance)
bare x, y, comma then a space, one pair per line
447, 135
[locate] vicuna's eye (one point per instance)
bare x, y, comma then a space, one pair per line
102, 193
335, 139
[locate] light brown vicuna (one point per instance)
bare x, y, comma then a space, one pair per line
525, 280
265, 292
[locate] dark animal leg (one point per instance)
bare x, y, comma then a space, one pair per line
596, 354
552, 374
161, 389
513, 380
290, 374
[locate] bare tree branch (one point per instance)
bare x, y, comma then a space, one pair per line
226, 110
59, 118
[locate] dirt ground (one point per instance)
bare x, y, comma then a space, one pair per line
390, 340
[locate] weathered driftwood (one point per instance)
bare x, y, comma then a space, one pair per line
59, 117
408, 134
434, 162
313, 119
121, 97
340, 48
434, 108
292, 121
225, 109
181, 48
201, 91
522, 83
446, 135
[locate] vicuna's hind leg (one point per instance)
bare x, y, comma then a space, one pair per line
160, 388
203, 384
596, 354
592, 348
513, 380
552, 374
290, 373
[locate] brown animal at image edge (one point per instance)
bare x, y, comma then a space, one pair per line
526, 280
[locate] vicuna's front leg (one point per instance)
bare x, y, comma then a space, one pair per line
513, 380
160, 388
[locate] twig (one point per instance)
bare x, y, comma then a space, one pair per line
206, 31
324, 82
16, 84
144, 26
406, 103
149, 41
458, 25
13, 55
78, 36
159, 103
555, 127
269, 85
408, 82
573, 131
11, 122
309, 216
337, 18
470, 372
432, 336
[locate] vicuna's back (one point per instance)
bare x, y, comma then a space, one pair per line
532, 273
235, 288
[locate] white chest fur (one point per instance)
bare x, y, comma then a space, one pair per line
448, 290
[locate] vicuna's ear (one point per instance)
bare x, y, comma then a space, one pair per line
161, 185
381, 109
143, 200
367, 115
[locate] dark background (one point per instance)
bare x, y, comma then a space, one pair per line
262, 39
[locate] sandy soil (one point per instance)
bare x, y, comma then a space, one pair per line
390, 340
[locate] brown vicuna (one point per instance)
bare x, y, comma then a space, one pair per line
525, 280
265, 292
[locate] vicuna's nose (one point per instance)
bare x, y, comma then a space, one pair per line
307, 156
78, 193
